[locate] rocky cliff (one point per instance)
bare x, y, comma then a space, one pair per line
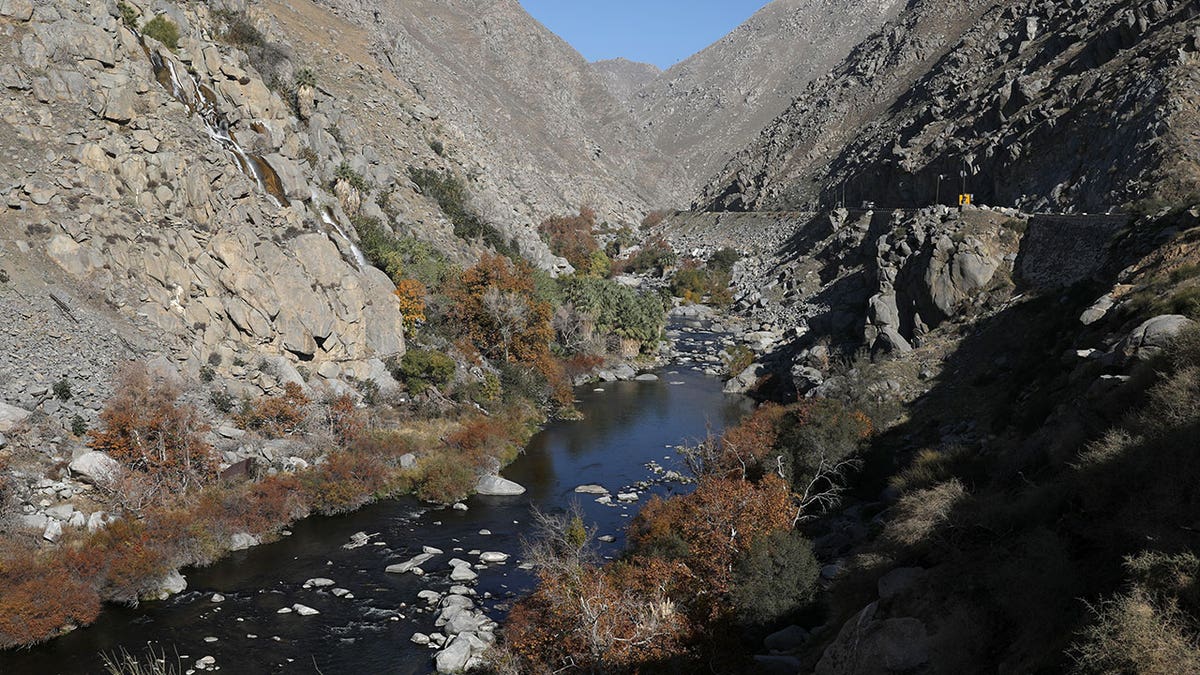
172, 199
1041, 105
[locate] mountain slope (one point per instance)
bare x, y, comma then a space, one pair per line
624, 78
1013, 96
708, 107
532, 112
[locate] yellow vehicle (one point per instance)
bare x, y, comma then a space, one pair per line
966, 199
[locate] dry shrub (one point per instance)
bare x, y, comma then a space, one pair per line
445, 479
136, 558
344, 482
154, 436
930, 467
275, 416
387, 445
612, 619
918, 515
582, 364
344, 419
709, 528
43, 594
1133, 634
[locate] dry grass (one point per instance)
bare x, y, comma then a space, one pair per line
919, 514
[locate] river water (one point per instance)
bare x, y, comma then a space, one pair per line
627, 425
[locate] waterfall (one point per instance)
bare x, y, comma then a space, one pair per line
202, 101
327, 217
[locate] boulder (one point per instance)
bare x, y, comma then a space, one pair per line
170, 585
53, 531
412, 563
241, 541
1150, 338
1097, 311
11, 416
786, 640
870, 645
75, 259
33, 521
454, 658
304, 610
898, 581
20, 10
493, 557
95, 467
96, 521
497, 486
592, 490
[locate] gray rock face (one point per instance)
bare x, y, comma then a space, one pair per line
11, 416
497, 486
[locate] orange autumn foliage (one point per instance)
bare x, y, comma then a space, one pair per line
411, 295
494, 306
709, 528
43, 593
149, 431
275, 416
754, 439
496, 310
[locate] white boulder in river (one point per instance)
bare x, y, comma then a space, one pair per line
497, 486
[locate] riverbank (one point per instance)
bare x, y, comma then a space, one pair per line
628, 425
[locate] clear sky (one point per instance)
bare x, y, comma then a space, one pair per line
662, 32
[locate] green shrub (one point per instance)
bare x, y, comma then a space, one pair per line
207, 374
1016, 225
724, 260
820, 434
356, 180
777, 576
400, 257
79, 426
738, 358
656, 255
421, 369
451, 195
438, 147
306, 77
164, 30
239, 31
129, 15
222, 401
615, 308
62, 389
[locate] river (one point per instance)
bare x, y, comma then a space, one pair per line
626, 426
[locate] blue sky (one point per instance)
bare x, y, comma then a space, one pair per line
662, 32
